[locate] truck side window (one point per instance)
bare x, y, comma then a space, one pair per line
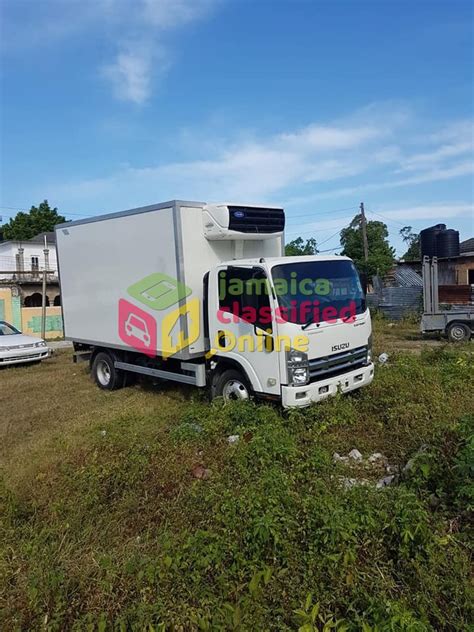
244, 292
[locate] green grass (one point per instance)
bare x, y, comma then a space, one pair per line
104, 526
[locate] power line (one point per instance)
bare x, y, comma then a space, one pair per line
340, 210
387, 219
330, 249
329, 238
16, 208
312, 232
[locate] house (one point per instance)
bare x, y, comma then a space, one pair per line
22, 264
457, 270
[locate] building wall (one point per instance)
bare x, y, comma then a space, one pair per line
28, 319
9, 250
450, 271
462, 270
31, 321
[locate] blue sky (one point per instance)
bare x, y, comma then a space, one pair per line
314, 105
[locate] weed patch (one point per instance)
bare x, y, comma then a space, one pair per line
115, 532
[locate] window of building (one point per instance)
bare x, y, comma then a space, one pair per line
35, 300
34, 264
470, 276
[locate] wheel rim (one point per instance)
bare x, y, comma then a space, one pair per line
103, 373
458, 333
235, 389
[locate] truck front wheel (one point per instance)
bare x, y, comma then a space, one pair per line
458, 332
104, 373
230, 384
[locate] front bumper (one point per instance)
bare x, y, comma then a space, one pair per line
19, 356
304, 395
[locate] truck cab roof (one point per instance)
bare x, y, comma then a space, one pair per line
271, 261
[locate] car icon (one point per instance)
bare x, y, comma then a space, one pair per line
136, 327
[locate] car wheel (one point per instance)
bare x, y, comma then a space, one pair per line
104, 373
231, 385
458, 332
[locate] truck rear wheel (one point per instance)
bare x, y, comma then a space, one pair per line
231, 385
104, 373
458, 332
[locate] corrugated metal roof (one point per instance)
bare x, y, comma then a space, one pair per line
467, 246
407, 277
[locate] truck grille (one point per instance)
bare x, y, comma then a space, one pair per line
246, 219
330, 366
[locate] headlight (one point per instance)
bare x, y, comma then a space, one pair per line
40, 344
298, 368
369, 350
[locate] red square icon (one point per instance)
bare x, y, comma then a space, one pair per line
137, 328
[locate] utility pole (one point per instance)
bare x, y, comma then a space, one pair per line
43, 293
363, 224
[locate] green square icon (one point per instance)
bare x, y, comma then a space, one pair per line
158, 291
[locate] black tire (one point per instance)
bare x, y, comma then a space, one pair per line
458, 332
231, 384
104, 373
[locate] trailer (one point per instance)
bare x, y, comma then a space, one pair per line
202, 294
456, 324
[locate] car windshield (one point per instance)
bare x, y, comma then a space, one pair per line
316, 291
6, 329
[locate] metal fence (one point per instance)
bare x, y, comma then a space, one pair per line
397, 302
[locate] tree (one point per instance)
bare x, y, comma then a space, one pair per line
413, 240
39, 219
381, 254
298, 247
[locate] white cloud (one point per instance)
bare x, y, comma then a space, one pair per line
130, 73
293, 167
432, 212
140, 32
167, 14
437, 174
144, 60
436, 156
257, 168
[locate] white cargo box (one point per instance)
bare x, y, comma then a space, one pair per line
134, 279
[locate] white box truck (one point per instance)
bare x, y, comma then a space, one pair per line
203, 294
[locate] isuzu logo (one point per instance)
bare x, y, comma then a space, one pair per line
239, 214
343, 345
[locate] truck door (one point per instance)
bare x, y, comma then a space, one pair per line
241, 323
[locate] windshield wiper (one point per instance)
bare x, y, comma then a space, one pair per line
309, 322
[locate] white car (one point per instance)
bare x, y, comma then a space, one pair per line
16, 348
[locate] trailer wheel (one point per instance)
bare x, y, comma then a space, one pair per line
231, 385
104, 373
458, 332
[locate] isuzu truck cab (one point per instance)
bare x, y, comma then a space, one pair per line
202, 294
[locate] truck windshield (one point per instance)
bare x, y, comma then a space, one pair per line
317, 291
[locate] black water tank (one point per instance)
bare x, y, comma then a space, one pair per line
429, 240
448, 243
